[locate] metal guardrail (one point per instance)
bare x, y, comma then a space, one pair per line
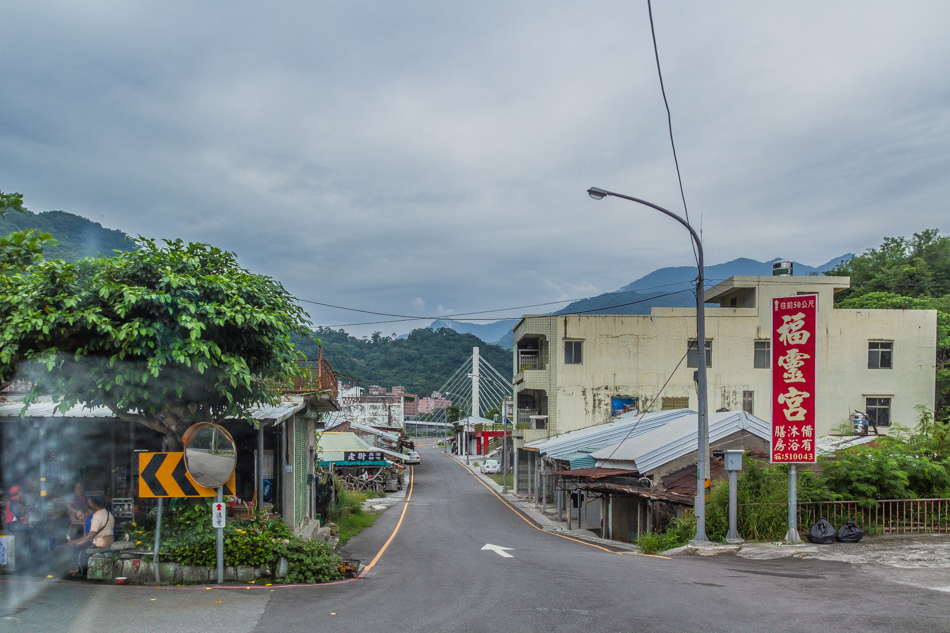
314, 375
889, 516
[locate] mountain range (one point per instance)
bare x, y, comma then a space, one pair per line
669, 287
76, 237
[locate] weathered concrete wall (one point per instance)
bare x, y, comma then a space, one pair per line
634, 355
374, 413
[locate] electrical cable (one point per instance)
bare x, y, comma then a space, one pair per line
669, 119
645, 411
467, 319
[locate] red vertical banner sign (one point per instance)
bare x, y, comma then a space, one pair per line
794, 328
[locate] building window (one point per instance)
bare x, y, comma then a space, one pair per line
670, 404
573, 352
762, 355
879, 355
692, 354
748, 401
879, 411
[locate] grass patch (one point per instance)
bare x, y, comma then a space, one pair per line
348, 512
354, 524
497, 479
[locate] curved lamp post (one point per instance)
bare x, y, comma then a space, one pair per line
702, 472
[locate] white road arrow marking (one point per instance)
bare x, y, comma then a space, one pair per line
498, 549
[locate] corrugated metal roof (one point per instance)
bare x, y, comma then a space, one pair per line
595, 473
265, 413
45, 410
333, 447
630, 424
579, 459
277, 414
339, 442
676, 439
365, 428
832, 443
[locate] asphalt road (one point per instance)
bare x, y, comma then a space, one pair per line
435, 576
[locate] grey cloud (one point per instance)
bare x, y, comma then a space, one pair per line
368, 154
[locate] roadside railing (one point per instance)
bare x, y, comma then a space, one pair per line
890, 516
887, 516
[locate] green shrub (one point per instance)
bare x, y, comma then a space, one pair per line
308, 561
762, 491
189, 539
677, 534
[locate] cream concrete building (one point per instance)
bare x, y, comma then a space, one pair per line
571, 371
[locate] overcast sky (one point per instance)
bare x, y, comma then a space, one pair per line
432, 158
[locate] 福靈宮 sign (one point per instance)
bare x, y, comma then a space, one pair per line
794, 328
362, 456
165, 475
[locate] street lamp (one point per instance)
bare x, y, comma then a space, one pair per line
702, 472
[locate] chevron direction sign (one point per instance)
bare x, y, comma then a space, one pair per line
164, 475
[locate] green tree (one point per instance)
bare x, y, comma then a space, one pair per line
916, 267
164, 336
906, 274
421, 362
20, 249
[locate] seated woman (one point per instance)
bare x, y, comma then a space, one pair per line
100, 536
76, 504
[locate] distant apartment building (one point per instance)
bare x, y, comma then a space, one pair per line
432, 403
572, 372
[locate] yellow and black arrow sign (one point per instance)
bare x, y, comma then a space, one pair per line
164, 475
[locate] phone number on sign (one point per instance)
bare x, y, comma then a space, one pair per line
793, 457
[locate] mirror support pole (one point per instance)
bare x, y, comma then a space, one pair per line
158, 538
260, 468
219, 538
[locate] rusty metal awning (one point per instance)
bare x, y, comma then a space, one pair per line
595, 473
644, 493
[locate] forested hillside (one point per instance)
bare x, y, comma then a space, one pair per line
906, 274
77, 237
421, 362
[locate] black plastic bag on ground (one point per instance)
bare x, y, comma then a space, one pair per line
822, 533
850, 533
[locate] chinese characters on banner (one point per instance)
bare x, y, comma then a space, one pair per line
794, 326
363, 456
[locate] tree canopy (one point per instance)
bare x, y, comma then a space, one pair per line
19, 249
421, 362
164, 336
906, 274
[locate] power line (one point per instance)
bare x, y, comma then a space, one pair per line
669, 120
619, 305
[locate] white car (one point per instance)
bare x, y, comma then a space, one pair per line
413, 457
491, 467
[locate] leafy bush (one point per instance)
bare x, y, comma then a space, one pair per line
189, 539
762, 492
907, 464
679, 533
308, 561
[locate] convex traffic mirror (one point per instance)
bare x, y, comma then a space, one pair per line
210, 454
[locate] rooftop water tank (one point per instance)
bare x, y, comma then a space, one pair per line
782, 268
